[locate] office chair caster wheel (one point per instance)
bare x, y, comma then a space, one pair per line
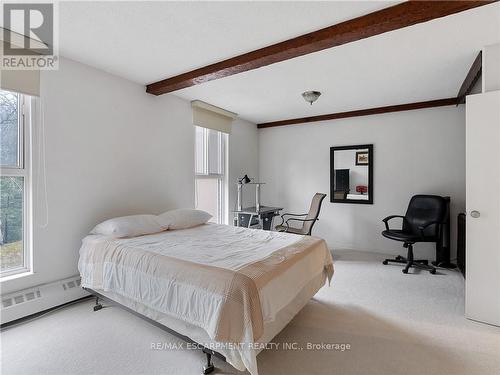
399, 257
404, 270
385, 262
433, 271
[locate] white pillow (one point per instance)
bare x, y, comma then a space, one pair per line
183, 218
129, 226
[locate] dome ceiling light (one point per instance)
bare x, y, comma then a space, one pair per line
311, 96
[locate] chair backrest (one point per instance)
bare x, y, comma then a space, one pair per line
313, 213
422, 210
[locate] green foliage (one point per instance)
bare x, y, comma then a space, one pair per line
9, 104
11, 187
11, 208
11, 255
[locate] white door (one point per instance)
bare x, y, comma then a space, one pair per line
482, 267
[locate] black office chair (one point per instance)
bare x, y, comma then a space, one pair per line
422, 223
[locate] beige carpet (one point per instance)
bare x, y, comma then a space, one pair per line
394, 324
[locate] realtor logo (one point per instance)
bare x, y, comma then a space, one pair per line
29, 38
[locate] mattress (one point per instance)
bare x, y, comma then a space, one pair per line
228, 282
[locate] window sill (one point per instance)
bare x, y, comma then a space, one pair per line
16, 276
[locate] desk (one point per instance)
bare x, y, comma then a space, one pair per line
249, 217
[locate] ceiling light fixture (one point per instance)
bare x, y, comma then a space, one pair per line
311, 96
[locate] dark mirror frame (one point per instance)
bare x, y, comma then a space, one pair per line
369, 147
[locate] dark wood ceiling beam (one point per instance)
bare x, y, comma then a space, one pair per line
470, 80
473, 76
392, 18
362, 112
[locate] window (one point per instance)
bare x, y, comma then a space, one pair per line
210, 170
14, 184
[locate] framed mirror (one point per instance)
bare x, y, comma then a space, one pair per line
351, 174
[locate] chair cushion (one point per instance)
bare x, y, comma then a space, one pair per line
424, 209
283, 228
399, 235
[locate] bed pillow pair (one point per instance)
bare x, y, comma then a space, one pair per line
183, 218
129, 226
138, 225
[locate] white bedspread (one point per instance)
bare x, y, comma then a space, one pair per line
214, 245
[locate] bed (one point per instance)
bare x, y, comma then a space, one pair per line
226, 288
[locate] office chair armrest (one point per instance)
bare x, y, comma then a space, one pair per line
386, 220
421, 228
302, 220
286, 214
294, 219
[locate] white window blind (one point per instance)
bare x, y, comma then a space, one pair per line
208, 116
20, 81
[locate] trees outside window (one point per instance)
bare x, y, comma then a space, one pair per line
14, 178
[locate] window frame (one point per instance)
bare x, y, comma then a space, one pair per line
23, 169
220, 177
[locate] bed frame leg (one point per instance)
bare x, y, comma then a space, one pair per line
209, 368
97, 306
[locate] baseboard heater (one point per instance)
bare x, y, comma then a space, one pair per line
39, 298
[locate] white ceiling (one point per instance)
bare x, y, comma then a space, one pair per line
148, 41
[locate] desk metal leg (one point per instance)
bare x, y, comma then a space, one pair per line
260, 221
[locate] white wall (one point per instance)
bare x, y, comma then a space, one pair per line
415, 152
243, 159
112, 150
491, 68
